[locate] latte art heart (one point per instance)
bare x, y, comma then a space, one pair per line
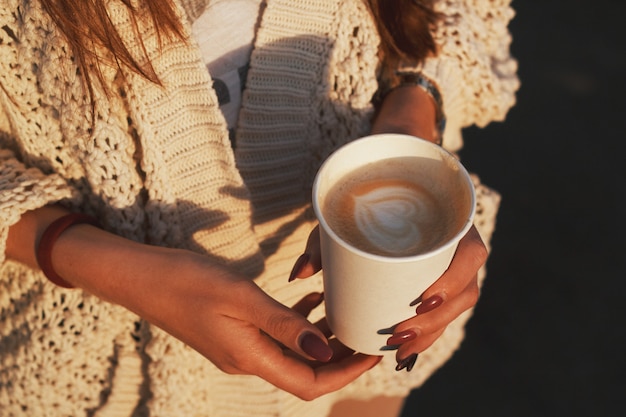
391, 218
396, 207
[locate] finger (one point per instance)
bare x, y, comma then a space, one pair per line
429, 326
419, 345
341, 350
288, 327
322, 324
308, 303
313, 249
443, 315
294, 374
335, 376
310, 262
454, 292
308, 383
450, 310
470, 256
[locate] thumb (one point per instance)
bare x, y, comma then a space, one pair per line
290, 328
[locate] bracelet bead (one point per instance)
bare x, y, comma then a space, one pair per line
49, 238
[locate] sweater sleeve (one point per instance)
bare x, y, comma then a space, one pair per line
474, 69
23, 189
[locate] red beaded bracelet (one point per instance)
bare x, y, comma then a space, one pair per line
48, 239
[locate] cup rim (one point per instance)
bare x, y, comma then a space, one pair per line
395, 259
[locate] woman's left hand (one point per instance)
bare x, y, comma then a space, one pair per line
453, 293
409, 110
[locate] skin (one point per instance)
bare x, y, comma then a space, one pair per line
203, 307
409, 110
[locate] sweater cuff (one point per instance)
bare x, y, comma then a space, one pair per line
450, 87
23, 189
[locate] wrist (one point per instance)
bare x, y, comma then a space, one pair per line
412, 105
406, 110
48, 239
24, 236
430, 88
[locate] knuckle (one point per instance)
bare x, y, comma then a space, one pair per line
228, 368
309, 394
246, 364
279, 324
479, 252
472, 294
422, 343
236, 365
305, 396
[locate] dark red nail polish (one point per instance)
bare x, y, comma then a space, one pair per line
401, 337
314, 346
429, 304
297, 267
407, 363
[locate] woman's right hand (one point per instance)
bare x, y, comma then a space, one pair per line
239, 328
225, 317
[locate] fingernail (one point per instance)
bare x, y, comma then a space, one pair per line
407, 363
297, 268
401, 337
429, 304
314, 346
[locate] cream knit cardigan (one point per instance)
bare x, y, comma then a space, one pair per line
157, 167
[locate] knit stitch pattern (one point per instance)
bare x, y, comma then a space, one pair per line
157, 167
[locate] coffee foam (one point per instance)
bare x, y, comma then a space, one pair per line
382, 209
392, 216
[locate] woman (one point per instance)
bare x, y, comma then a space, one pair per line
108, 109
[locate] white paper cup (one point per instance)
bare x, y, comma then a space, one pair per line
365, 294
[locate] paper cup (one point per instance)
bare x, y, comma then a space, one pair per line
366, 294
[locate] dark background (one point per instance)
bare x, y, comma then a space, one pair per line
548, 336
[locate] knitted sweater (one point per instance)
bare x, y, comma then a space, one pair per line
157, 167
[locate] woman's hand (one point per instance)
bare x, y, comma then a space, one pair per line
225, 317
410, 110
237, 326
453, 293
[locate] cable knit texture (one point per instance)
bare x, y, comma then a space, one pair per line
157, 167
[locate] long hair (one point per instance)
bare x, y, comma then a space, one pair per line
404, 26
88, 28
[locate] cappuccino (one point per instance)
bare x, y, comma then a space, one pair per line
402, 206
392, 209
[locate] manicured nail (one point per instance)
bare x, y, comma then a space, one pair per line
407, 363
314, 346
429, 304
401, 337
297, 268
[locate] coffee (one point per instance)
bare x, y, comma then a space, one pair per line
397, 207
379, 200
